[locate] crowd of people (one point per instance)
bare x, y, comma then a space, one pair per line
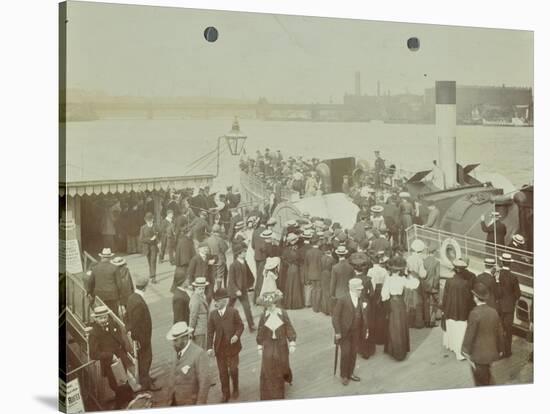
359, 277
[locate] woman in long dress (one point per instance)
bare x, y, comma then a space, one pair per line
398, 340
378, 274
293, 287
327, 261
276, 338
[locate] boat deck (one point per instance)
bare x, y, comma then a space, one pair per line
428, 366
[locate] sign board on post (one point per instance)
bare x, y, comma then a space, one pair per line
70, 398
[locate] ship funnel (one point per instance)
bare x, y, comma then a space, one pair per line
445, 127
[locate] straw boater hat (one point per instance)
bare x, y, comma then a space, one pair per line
418, 245
506, 257
106, 252
239, 225
100, 311
341, 251
481, 291
404, 194
307, 234
200, 282
495, 214
271, 263
266, 234
518, 238
489, 261
376, 209
460, 264
178, 330
292, 238
291, 223
118, 261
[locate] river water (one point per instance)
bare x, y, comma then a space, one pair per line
163, 144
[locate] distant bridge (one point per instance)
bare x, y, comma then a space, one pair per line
260, 110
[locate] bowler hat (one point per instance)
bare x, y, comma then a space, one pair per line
481, 291
238, 249
221, 293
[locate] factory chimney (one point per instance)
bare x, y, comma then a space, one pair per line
357, 83
445, 128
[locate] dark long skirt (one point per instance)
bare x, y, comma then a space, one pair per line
398, 341
325, 293
316, 296
380, 318
294, 289
275, 371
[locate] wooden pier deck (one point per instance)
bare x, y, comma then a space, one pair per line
428, 366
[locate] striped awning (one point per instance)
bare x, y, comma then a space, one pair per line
137, 185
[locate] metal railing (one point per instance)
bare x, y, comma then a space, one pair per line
453, 245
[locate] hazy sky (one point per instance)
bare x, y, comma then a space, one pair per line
156, 51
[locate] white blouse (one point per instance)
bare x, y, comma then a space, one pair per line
378, 274
394, 285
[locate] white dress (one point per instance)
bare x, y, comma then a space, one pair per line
269, 284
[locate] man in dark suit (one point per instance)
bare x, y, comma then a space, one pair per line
180, 301
341, 273
149, 237
232, 198
199, 267
238, 283
496, 231
509, 293
140, 327
108, 342
225, 328
348, 318
104, 281
483, 342
487, 277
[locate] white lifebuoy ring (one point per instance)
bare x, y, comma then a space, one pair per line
447, 243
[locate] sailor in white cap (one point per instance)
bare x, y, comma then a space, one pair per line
509, 295
349, 318
189, 379
496, 231
456, 306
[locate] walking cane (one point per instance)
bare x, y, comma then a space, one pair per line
335, 357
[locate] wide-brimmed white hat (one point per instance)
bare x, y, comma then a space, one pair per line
118, 261
106, 252
178, 330
518, 238
341, 250
418, 245
271, 263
